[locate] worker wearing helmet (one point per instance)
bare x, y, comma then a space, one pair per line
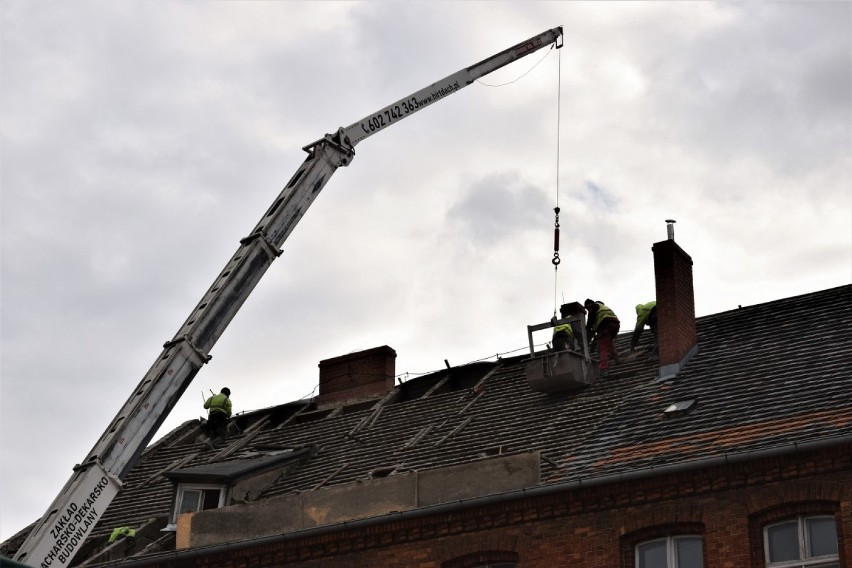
218, 413
564, 334
646, 314
602, 326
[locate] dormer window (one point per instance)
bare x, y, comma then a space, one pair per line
195, 497
211, 485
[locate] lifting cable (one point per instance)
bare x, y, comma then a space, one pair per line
522, 75
556, 260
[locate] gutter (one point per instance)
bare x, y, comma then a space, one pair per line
462, 504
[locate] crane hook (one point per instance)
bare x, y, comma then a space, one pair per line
556, 260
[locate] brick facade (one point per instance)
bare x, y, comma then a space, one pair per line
595, 527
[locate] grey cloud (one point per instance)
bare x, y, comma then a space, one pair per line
599, 197
496, 208
751, 90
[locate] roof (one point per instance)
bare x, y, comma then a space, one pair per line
765, 376
226, 471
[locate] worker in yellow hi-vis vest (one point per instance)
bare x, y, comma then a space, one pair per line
646, 314
120, 533
566, 335
218, 413
602, 326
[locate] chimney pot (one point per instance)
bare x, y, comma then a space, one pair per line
670, 228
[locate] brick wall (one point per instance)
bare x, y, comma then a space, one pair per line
596, 527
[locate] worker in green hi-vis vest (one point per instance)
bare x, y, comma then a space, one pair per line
218, 413
122, 533
602, 326
566, 335
646, 314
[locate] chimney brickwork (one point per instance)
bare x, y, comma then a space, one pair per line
356, 377
676, 334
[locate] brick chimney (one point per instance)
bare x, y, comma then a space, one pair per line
676, 334
356, 377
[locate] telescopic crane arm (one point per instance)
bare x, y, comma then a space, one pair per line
62, 530
403, 108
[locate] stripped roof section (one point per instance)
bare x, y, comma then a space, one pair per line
765, 376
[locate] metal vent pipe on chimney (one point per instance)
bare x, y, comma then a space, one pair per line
676, 330
670, 228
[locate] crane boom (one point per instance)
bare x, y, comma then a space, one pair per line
404, 107
58, 535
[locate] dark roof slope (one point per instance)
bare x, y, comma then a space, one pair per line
765, 376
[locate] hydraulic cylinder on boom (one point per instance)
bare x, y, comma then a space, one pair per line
59, 534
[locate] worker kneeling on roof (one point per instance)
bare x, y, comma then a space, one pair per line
218, 413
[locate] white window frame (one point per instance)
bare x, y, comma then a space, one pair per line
805, 561
185, 487
671, 558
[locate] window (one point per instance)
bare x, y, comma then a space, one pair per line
671, 552
487, 559
197, 499
495, 565
804, 541
194, 498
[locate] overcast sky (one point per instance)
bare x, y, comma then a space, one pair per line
142, 140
